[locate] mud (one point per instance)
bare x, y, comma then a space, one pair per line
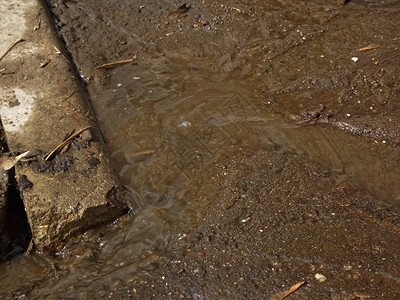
313, 194
277, 220
299, 53
60, 164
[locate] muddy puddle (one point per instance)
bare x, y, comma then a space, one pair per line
190, 126
166, 123
172, 121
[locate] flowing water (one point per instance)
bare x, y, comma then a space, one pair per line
166, 122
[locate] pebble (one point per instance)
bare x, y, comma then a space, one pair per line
185, 124
320, 277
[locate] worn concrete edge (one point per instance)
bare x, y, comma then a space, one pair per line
41, 101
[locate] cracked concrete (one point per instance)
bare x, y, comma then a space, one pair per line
41, 102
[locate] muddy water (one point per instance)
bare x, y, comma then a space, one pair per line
172, 120
166, 121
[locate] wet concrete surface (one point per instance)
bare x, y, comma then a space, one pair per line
260, 140
42, 102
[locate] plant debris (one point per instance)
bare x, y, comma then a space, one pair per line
116, 63
311, 115
64, 143
293, 289
6, 163
369, 47
12, 46
70, 95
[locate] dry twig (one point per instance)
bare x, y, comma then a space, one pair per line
293, 289
66, 98
116, 63
64, 143
9, 48
141, 153
369, 47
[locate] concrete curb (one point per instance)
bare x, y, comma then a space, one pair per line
41, 101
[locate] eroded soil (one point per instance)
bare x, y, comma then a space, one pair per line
266, 218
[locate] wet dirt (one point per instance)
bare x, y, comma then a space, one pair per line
260, 145
272, 220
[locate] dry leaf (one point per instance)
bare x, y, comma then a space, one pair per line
6, 163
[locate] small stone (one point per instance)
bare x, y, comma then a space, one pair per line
185, 124
320, 277
354, 58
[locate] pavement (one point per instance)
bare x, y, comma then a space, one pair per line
42, 102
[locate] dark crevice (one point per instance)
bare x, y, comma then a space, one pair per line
16, 233
17, 228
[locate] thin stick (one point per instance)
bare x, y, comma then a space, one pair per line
65, 99
9, 48
113, 64
369, 47
65, 142
293, 289
140, 153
